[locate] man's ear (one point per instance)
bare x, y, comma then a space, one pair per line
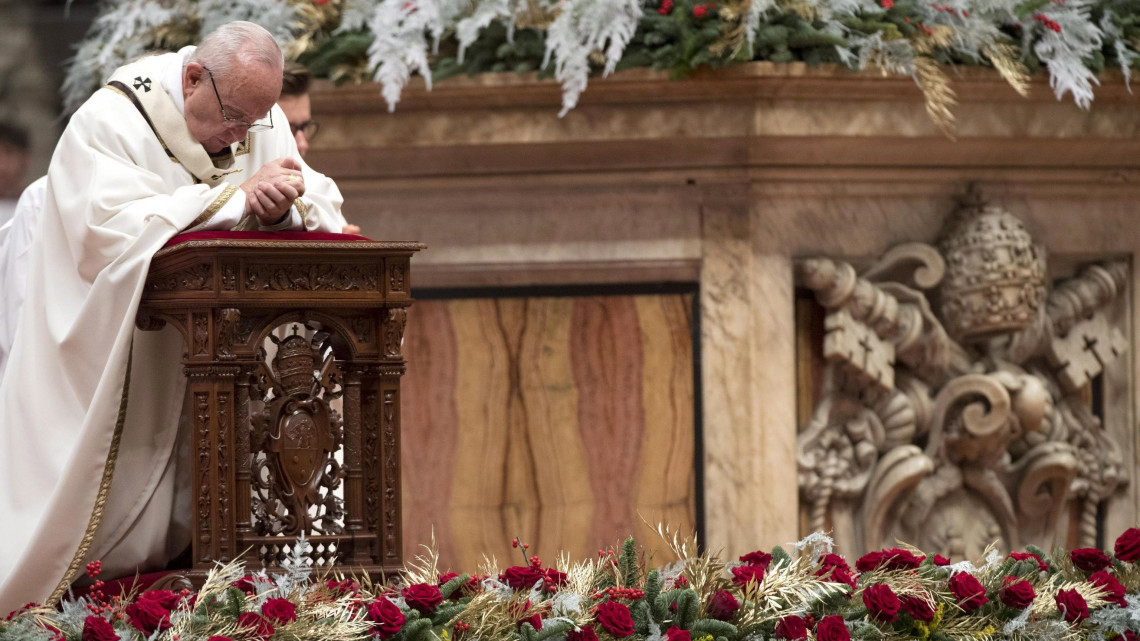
193, 74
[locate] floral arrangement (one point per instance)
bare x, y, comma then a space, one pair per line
387, 41
808, 592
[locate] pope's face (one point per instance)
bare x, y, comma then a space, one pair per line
246, 94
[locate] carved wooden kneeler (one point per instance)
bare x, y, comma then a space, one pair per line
306, 440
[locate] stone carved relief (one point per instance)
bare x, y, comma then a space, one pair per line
952, 412
295, 476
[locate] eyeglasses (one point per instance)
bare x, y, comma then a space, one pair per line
250, 126
310, 127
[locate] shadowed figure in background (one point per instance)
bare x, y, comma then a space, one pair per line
296, 104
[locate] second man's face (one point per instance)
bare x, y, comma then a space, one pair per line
298, 109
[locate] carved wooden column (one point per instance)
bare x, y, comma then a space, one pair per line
264, 433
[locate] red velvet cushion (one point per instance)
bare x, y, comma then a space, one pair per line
310, 236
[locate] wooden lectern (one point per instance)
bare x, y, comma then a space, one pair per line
293, 370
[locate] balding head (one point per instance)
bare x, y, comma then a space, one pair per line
238, 44
244, 63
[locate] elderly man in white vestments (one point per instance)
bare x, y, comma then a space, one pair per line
89, 406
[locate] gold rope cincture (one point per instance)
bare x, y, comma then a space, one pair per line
104, 491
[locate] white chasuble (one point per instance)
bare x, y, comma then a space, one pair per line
89, 406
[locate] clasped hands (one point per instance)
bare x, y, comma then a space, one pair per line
270, 192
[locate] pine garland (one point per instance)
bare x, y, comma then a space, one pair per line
1071, 40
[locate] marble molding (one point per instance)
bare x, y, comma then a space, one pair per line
727, 179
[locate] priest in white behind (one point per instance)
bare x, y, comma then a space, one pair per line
89, 406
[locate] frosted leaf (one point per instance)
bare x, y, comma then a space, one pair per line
565, 603
582, 27
276, 17
818, 542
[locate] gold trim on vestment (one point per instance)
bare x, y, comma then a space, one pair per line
214, 207
248, 223
303, 209
242, 147
101, 497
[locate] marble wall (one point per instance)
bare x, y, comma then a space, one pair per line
726, 179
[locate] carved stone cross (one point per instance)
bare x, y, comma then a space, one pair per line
870, 359
1083, 353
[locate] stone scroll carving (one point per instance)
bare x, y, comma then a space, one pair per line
953, 410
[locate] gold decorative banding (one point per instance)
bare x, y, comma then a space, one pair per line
214, 207
101, 497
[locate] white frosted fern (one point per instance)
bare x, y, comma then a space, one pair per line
355, 15
756, 11
485, 12
275, 16
399, 47
583, 27
1125, 55
123, 31
1064, 53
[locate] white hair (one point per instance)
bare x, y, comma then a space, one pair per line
237, 43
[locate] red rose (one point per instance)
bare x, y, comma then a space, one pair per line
386, 618
1016, 593
280, 611
744, 574
1113, 591
892, 559
832, 628
792, 628
245, 584
1025, 556
919, 609
255, 626
98, 629
1090, 559
1129, 635
27, 606
535, 621
585, 634
700, 11
677, 634
165, 598
1073, 605
881, 602
522, 577
615, 618
1128, 545
555, 579
722, 605
970, 594
444, 578
665, 8
148, 615
218, 637
941, 561
473, 586
758, 558
346, 586
422, 597
836, 569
